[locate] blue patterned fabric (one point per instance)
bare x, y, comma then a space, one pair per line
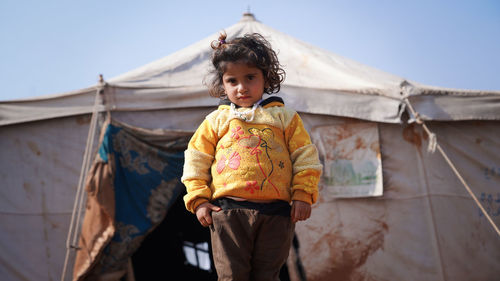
146, 183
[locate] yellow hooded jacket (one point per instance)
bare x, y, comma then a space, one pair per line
269, 157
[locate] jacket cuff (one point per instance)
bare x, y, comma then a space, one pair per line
300, 195
196, 203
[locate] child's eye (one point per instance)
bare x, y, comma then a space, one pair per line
250, 77
231, 80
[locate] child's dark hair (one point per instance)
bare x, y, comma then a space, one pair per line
252, 49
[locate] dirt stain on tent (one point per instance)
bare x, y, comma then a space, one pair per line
411, 135
349, 255
82, 120
46, 222
34, 148
27, 188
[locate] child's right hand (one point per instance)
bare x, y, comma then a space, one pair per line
204, 213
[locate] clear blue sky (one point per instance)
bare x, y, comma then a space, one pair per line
50, 47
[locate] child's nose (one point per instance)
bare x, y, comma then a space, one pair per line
242, 88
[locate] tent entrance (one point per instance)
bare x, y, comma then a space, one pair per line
179, 246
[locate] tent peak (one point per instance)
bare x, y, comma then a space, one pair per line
248, 16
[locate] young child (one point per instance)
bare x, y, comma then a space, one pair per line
247, 162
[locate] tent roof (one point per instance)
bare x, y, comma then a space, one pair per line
306, 66
344, 87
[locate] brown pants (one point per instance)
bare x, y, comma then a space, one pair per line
251, 241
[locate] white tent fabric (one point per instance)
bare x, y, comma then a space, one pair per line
424, 227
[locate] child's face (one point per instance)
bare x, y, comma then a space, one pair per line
244, 85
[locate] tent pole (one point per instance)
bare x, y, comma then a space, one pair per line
71, 242
433, 142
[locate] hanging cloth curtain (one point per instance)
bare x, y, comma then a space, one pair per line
130, 187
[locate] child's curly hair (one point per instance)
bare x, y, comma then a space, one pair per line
252, 49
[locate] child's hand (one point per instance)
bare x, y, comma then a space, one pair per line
301, 211
203, 213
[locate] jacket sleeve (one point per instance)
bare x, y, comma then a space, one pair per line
305, 162
198, 159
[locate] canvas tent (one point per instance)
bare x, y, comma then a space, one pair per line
388, 209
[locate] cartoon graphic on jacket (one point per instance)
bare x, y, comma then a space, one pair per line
267, 157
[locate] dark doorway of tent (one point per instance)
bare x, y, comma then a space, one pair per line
178, 249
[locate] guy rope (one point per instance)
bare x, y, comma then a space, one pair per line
433, 145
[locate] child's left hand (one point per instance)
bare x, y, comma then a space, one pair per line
301, 211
